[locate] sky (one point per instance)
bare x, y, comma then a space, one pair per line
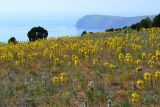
56, 15
66, 8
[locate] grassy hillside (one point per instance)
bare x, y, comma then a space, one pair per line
70, 71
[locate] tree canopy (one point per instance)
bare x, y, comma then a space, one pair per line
37, 33
12, 40
146, 23
156, 21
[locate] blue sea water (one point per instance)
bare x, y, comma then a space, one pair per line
19, 28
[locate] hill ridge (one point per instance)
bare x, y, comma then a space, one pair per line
103, 22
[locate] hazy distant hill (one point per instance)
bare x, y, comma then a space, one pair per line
103, 22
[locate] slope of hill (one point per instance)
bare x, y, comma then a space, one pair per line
94, 68
103, 22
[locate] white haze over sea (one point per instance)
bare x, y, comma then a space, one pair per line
18, 27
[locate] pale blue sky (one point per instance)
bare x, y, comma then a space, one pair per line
16, 15
81, 7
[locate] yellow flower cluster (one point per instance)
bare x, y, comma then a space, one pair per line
147, 76
157, 75
95, 61
140, 84
144, 55
138, 69
134, 97
55, 80
128, 58
158, 55
62, 79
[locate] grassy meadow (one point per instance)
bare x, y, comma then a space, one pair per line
119, 67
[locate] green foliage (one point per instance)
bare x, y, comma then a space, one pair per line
110, 30
97, 93
37, 33
30, 102
125, 103
135, 26
146, 23
156, 21
83, 33
9, 93
12, 40
91, 95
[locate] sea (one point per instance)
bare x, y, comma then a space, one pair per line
19, 28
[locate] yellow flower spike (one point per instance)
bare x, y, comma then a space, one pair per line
30, 56
157, 55
128, 59
151, 63
95, 61
121, 57
119, 50
73, 57
139, 47
139, 69
147, 76
140, 84
77, 62
150, 55
157, 51
17, 62
63, 77
101, 49
10, 56
3, 57
35, 54
144, 55
63, 74
56, 61
67, 94
138, 62
23, 61
61, 62
157, 75
76, 58
153, 58
134, 97
112, 66
65, 56
51, 56
55, 80
20, 55
106, 64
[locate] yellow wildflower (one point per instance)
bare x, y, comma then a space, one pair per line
138, 62
17, 62
61, 62
140, 84
151, 63
139, 69
144, 55
56, 60
147, 76
77, 62
121, 57
95, 61
63, 77
112, 66
158, 55
134, 97
157, 75
55, 80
